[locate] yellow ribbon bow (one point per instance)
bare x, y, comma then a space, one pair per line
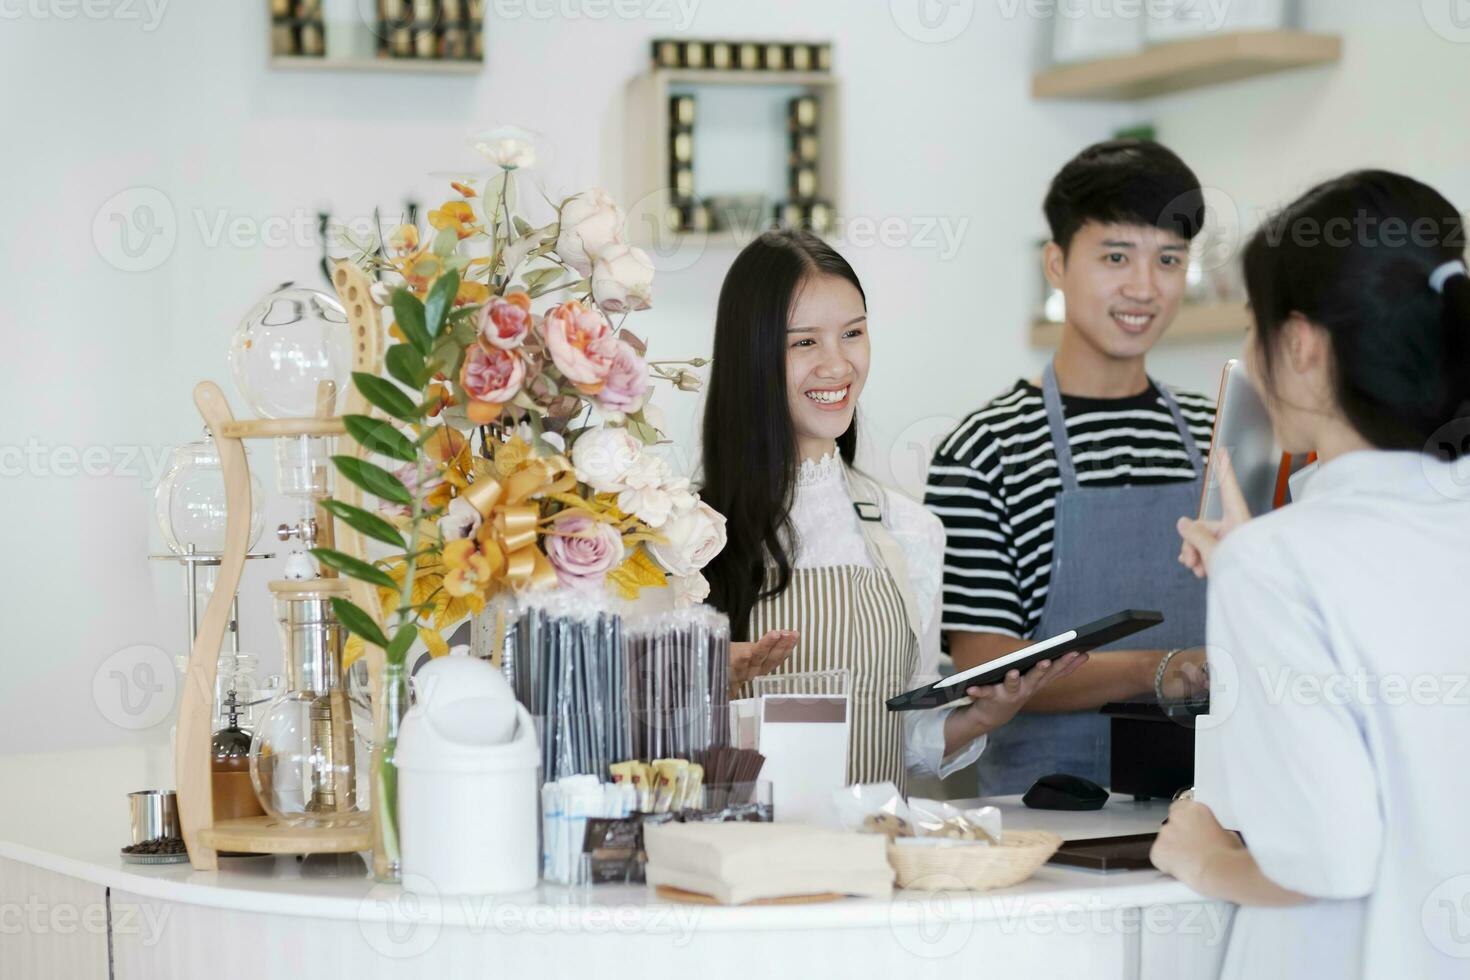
507, 532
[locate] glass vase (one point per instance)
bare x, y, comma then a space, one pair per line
387, 860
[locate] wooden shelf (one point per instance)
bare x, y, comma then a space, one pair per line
645, 195
717, 76
1182, 65
1204, 321
263, 835
422, 65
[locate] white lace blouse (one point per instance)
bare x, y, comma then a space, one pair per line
828, 533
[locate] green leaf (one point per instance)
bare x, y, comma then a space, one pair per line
408, 313
350, 615
365, 521
386, 395
402, 640
441, 298
522, 226
406, 365
354, 568
445, 242
374, 479
379, 436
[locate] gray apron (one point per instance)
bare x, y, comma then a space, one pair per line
1113, 548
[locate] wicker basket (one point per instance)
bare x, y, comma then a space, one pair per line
975, 867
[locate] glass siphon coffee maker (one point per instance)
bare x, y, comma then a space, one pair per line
304, 757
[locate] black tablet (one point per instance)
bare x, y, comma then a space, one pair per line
1083, 638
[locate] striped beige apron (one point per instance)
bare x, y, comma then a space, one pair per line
858, 619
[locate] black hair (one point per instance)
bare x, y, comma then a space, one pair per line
1130, 182
749, 441
1354, 256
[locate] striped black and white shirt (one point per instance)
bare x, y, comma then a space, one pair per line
994, 481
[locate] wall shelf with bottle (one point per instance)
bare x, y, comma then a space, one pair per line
1177, 66
742, 135
435, 36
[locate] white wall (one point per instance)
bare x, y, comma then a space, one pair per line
102, 359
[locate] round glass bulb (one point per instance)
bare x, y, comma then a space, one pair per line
288, 344
189, 501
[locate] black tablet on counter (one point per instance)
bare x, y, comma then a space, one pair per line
1079, 640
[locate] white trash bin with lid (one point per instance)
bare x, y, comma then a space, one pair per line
467, 783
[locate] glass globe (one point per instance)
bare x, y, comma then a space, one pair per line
288, 344
189, 501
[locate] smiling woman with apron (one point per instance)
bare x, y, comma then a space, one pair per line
821, 565
1113, 548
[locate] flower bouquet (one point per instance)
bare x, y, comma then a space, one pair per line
514, 425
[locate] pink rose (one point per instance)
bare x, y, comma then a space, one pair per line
583, 550
581, 344
504, 324
627, 381
491, 377
408, 474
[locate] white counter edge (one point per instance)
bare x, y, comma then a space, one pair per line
634, 907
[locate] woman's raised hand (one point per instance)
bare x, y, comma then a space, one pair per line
1201, 538
751, 660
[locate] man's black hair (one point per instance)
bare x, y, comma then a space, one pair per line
1131, 182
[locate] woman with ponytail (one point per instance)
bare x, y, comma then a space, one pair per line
825, 569
1336, 625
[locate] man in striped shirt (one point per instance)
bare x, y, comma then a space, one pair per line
1059, 497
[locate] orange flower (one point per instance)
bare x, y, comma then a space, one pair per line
439, 399
523, 300
405, 238
468, 569
457, 215
471, 292
419, 270
465, 190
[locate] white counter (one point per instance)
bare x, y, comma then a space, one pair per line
62, 881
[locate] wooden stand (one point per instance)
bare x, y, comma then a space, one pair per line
203, 837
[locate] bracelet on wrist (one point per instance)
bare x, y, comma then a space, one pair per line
1159, 674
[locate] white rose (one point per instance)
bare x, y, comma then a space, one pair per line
689, 590
647, 492
622, 280
693, 537
591, 224
507, 147
604, 457
460, 521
